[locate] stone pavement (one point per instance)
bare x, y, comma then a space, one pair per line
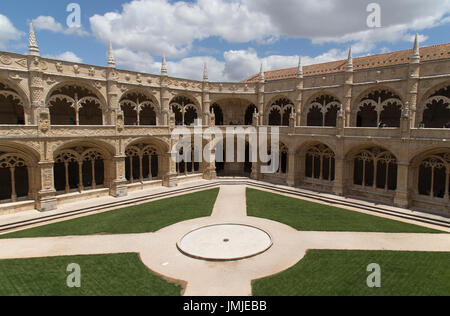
158, 251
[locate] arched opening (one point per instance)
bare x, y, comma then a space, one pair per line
283, 156
15, 173
190, 116
139, 109
147, 115
79, 169
75, 105
315, 116
249, 112
275, 117
11, 107
323, 111
380, 106
320, 163
437, 110
90, 113
142, 163
188, 164
178, 115
129, 113
434, 176
217, 110
331, 116
367, 116
185, 110
376, 168
280, 111
63, 114
287, 112
391, 114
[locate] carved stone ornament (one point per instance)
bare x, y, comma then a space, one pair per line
59, 67
44, 121
6, 60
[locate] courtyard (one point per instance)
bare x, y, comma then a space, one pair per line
309, 247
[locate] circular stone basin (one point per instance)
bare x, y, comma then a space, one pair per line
225, 242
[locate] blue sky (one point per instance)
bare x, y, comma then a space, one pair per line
232, 36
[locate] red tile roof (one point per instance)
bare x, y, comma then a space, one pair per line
389, 59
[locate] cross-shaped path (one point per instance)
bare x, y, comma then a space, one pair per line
159, 251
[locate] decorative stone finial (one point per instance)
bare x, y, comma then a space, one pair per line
415, 57
205, 72
164, 66
350, 60
261, 73
111, 61
300, 68
33, 48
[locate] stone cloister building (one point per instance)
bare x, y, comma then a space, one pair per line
72, 131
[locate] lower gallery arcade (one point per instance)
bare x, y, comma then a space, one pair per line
369, 172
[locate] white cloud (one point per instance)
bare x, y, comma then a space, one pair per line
67, 56
146, 28
163, 26
49, 23
8, 32
237, 65
160, 26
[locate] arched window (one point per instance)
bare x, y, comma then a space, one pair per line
79, 168
323, 111
249, 112
139, 109
367, 115
381, 106
434, 176
188, 164
275, 116
142, 163
190, 115
437, 109
90, 112
315, 116
147, 114
375, 168
74, 105
185, 110
280, 111
283, 155
320, 163
14, 175
11, 107
218, 113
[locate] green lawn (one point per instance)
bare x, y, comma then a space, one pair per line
344, 273
144, 218
308, 216
101, 275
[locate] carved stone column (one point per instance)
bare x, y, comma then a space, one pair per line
402, 195
119, 183
170, 178
36, 86
291, 169
165, 101
206, 104
46, 198
339, 178
340, 171
299, 101
261, 102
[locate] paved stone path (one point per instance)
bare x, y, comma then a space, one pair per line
159, 253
